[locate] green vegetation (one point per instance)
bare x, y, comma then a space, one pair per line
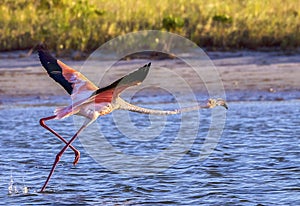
84, 25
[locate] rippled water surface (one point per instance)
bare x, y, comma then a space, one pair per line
256, 161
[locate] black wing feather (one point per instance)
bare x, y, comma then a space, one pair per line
128, 80
54, 70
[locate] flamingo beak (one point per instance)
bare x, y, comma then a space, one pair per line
222, 103
225, 105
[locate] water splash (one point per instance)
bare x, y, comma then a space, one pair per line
11, 188
14, 189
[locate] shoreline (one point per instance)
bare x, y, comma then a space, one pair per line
245, 75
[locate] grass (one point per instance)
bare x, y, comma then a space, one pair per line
84, 25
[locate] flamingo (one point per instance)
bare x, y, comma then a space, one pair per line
91, 102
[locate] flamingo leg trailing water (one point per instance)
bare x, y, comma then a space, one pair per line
91, 102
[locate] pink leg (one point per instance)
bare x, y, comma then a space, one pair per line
42, 123
58, 156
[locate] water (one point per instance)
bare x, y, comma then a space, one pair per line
256, 162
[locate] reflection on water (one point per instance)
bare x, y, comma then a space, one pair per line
257, 161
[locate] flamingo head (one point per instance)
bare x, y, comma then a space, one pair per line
216, 102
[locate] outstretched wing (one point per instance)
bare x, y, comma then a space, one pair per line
107, 94
76, 84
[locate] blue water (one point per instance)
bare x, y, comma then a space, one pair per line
256, 162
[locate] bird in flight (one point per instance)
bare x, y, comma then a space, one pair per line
90, 101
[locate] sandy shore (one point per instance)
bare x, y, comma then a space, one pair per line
243, 72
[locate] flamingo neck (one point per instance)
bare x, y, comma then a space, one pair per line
123, 105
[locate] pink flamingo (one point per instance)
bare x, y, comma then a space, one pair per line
91, 102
